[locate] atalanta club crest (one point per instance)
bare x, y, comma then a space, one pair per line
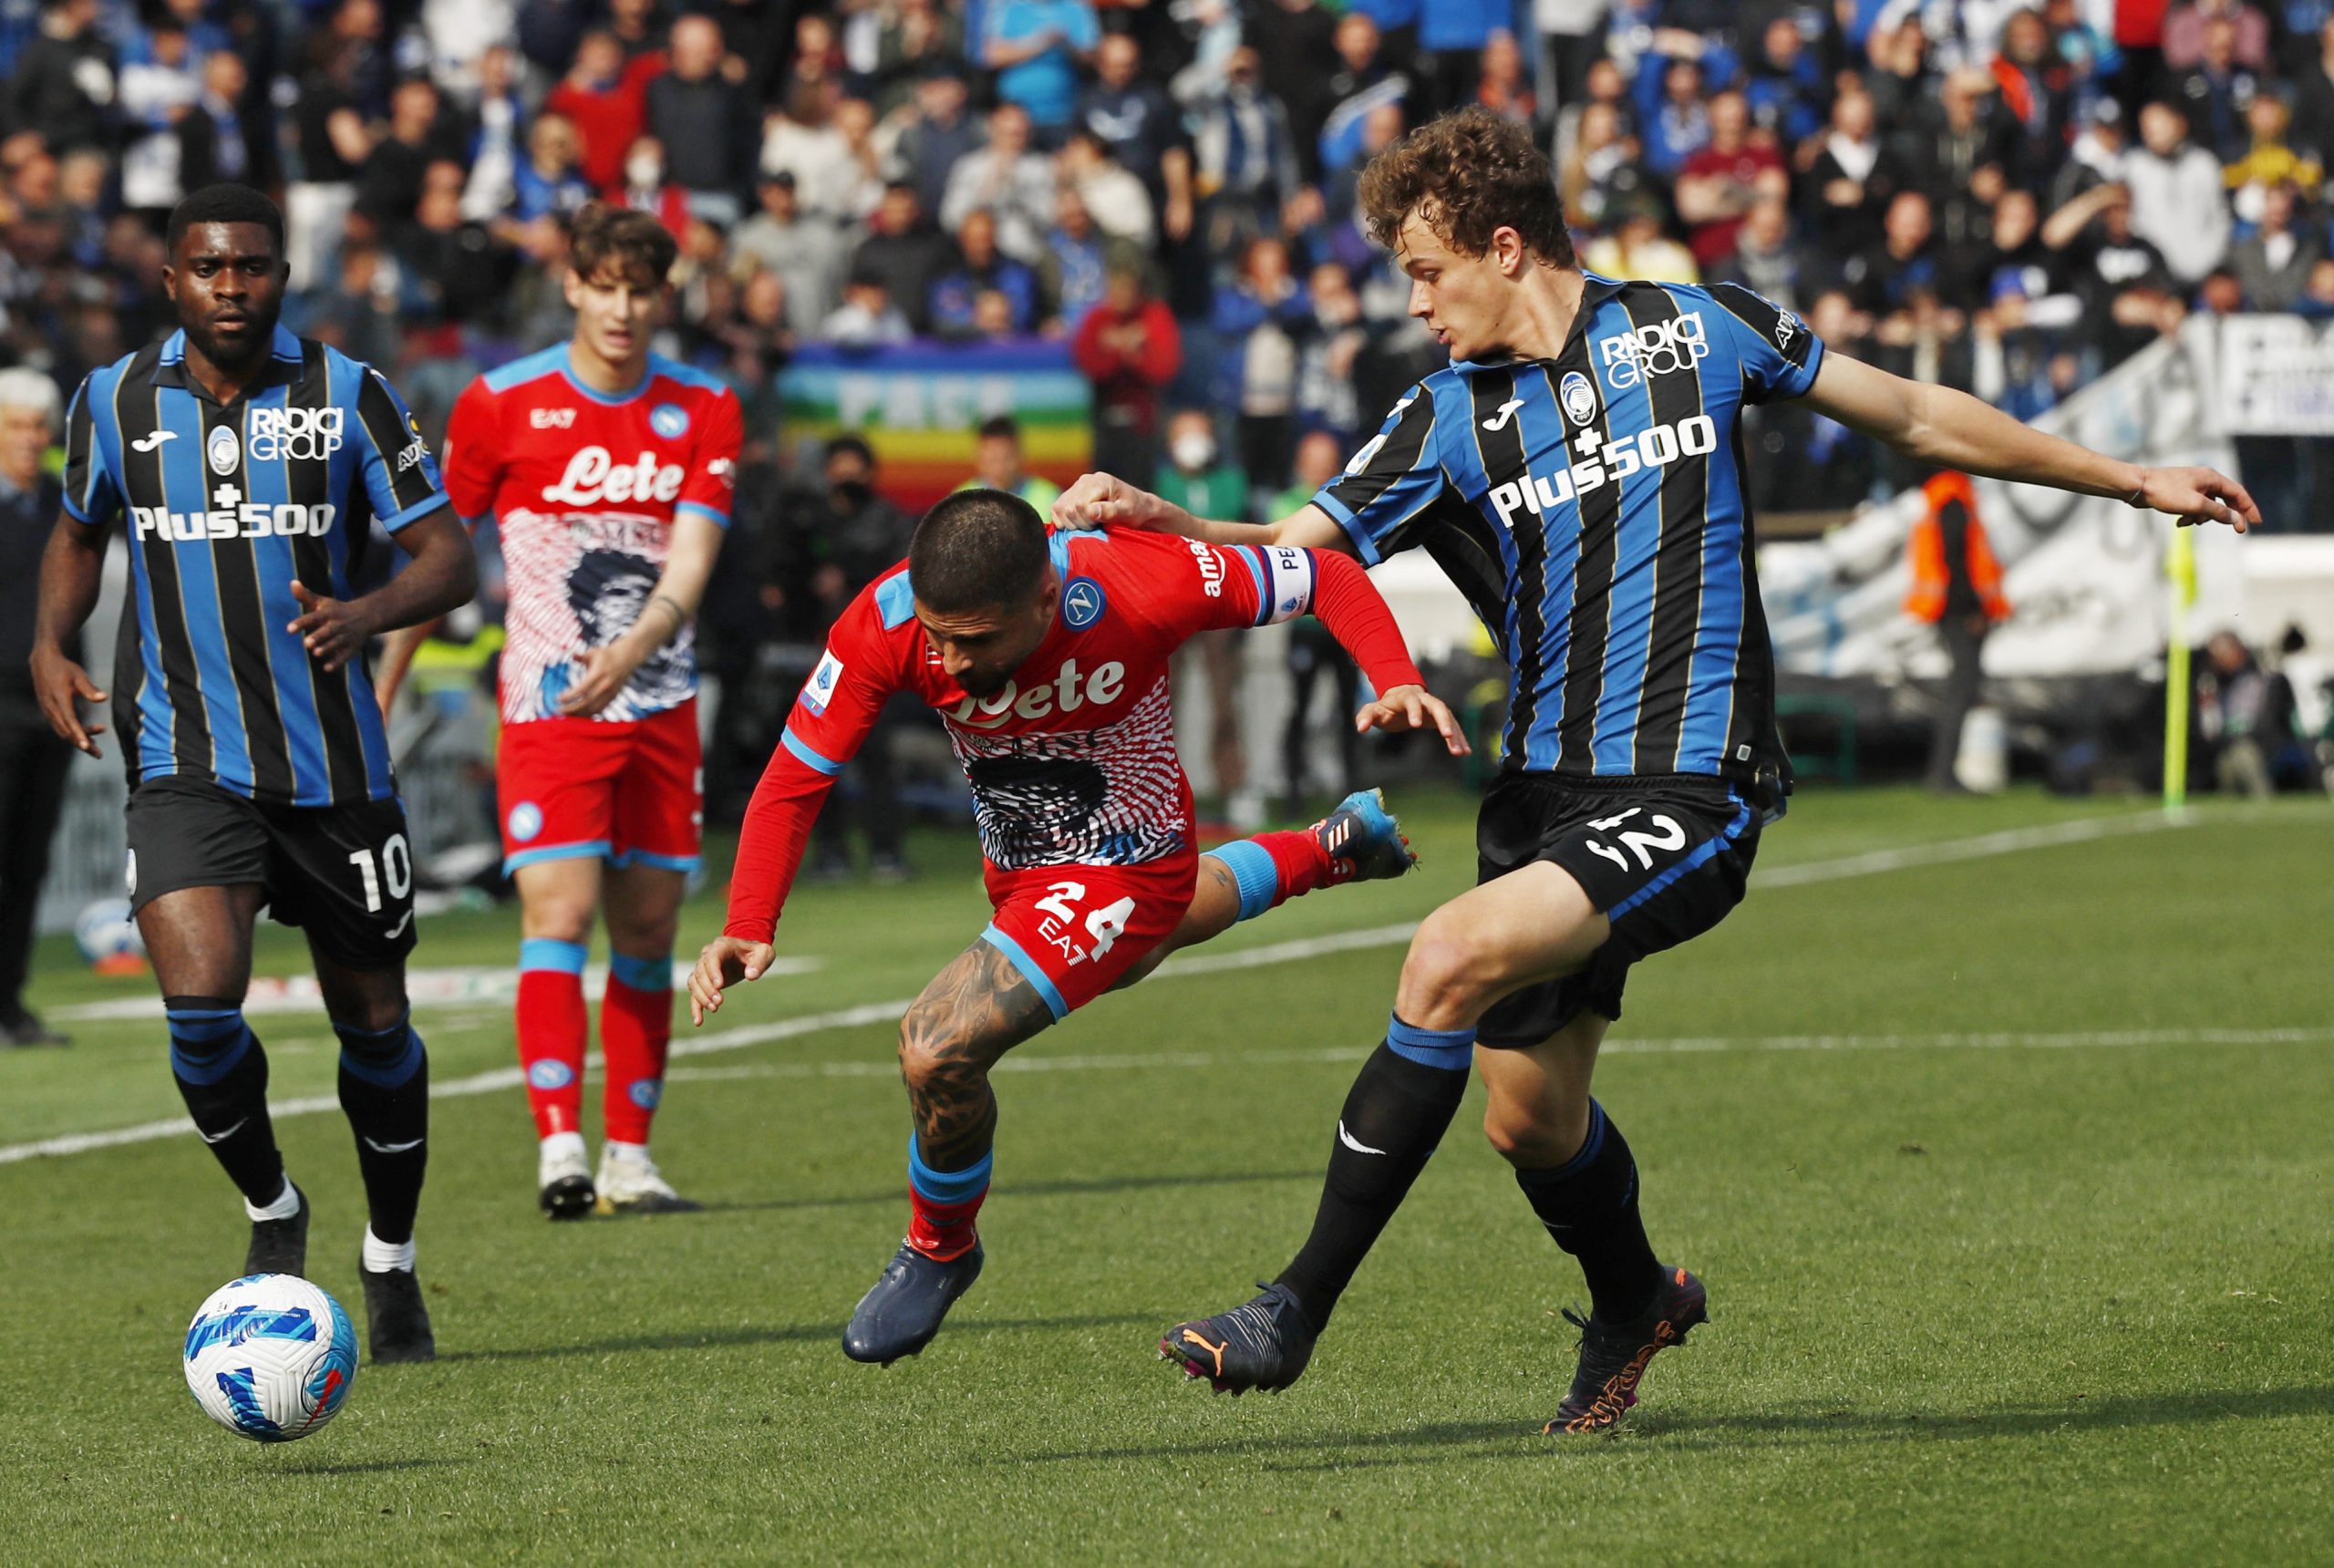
1578, 396
1082, 603
226, 453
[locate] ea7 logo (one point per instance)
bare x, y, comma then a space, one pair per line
551, 418
1657, 348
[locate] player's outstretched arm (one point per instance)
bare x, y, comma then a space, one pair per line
1349, 608
441, 575
69, 569
688, 566
727, 961
1105, 500
1955, 431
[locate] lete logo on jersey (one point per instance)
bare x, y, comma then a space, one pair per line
1068, 691
593, 478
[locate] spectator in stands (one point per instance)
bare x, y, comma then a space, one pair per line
646, 187
2246, 714
1142, 129
1638, 248
159, 87
639, 30
1260, 316
1036, 47
1766, 258
703, 120
980, 269
333, 141
2187, 30
1962, 156
1129, 347
1364, 81
606, 100
421, 133
1718, 183
1848, 178
33, 761
2273, 263
916, 41
867, 318
1327, 353
1601, 172
1678, 125
2270, 160
2130, 296
548, 183
217, 137
934, 131
903, 253
1506, 82
1784, 83
806, 253
805, 141
2100, 152
498, 125
1008, 178
2037, 96
1120, 204
1249, 163
2216, 92
1078, 261
1452, 38
64, 85
459, 265
1313, 653
2177, 205
2313, 123
999, 464
1194, 478
1958, 590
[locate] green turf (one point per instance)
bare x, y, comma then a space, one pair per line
1997, 1300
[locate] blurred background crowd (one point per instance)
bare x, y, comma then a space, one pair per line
2006, 196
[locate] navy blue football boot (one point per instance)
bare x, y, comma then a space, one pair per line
903, 1312
1260, 1343
1614, 1355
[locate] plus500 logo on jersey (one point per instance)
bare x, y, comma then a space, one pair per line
1601, 463
1655, 348
1067, 691
593, 478
275, 433
252, 520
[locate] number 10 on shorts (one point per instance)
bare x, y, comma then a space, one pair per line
1103, 926
395, 867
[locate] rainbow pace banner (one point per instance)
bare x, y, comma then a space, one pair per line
918, 405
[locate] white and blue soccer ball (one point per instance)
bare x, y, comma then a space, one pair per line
105, 930
270, 1357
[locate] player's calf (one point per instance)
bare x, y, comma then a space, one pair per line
221, 1075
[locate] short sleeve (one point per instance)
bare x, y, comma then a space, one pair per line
91, 496
711, 486
1391, 481
400, 474
1779, 354
474, 451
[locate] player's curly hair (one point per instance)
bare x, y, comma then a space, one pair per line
632, 245
1466, 175
978, 550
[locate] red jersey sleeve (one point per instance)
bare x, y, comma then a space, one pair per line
838, 707
711, 483
1257, 585
474, 450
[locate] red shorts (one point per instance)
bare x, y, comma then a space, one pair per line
1075, 930
630, 793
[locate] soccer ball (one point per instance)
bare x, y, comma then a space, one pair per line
106, 934
271, 1357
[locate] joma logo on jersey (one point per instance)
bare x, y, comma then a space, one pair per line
1067, 692
1602, 462
1657, 348
593, 477
251, 519
294, 433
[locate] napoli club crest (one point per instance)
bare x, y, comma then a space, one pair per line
1578, 396
669, 420
1082, 603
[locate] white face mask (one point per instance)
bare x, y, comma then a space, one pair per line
1193, 451
644, 172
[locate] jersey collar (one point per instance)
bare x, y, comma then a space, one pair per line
284, 362
607, 399
1593, 293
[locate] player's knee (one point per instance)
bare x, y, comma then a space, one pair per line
1522, 1135
1445, 976
557, 918
932, 1054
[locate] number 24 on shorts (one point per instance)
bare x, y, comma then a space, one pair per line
1669, 836
1103, 926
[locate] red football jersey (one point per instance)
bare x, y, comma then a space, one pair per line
1074, 762
583, 488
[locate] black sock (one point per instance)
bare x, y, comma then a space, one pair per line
1589, 1204
1394, 1116
223, 1077
385, 1089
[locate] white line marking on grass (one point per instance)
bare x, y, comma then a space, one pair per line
2080, 829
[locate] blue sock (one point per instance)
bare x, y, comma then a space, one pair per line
384, 1090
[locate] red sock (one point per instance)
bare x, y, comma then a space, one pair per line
551, 1027
943, 1231
635, 1036
1301, 863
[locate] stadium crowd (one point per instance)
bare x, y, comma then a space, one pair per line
1999, 194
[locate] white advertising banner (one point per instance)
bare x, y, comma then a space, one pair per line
2276, 375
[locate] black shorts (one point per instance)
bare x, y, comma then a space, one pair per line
1663, 859
345, 873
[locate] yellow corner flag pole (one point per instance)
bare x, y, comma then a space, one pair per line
2180, 566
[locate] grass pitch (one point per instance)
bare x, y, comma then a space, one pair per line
2006, 1163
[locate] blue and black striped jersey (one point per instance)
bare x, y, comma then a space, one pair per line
1593, 509
225, 506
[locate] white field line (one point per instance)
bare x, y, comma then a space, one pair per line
2012, 842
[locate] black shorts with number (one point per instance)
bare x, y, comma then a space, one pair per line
1664, 859
345, 873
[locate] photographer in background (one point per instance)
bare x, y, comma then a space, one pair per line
33, 757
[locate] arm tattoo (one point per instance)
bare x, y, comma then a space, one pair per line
974, 1011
